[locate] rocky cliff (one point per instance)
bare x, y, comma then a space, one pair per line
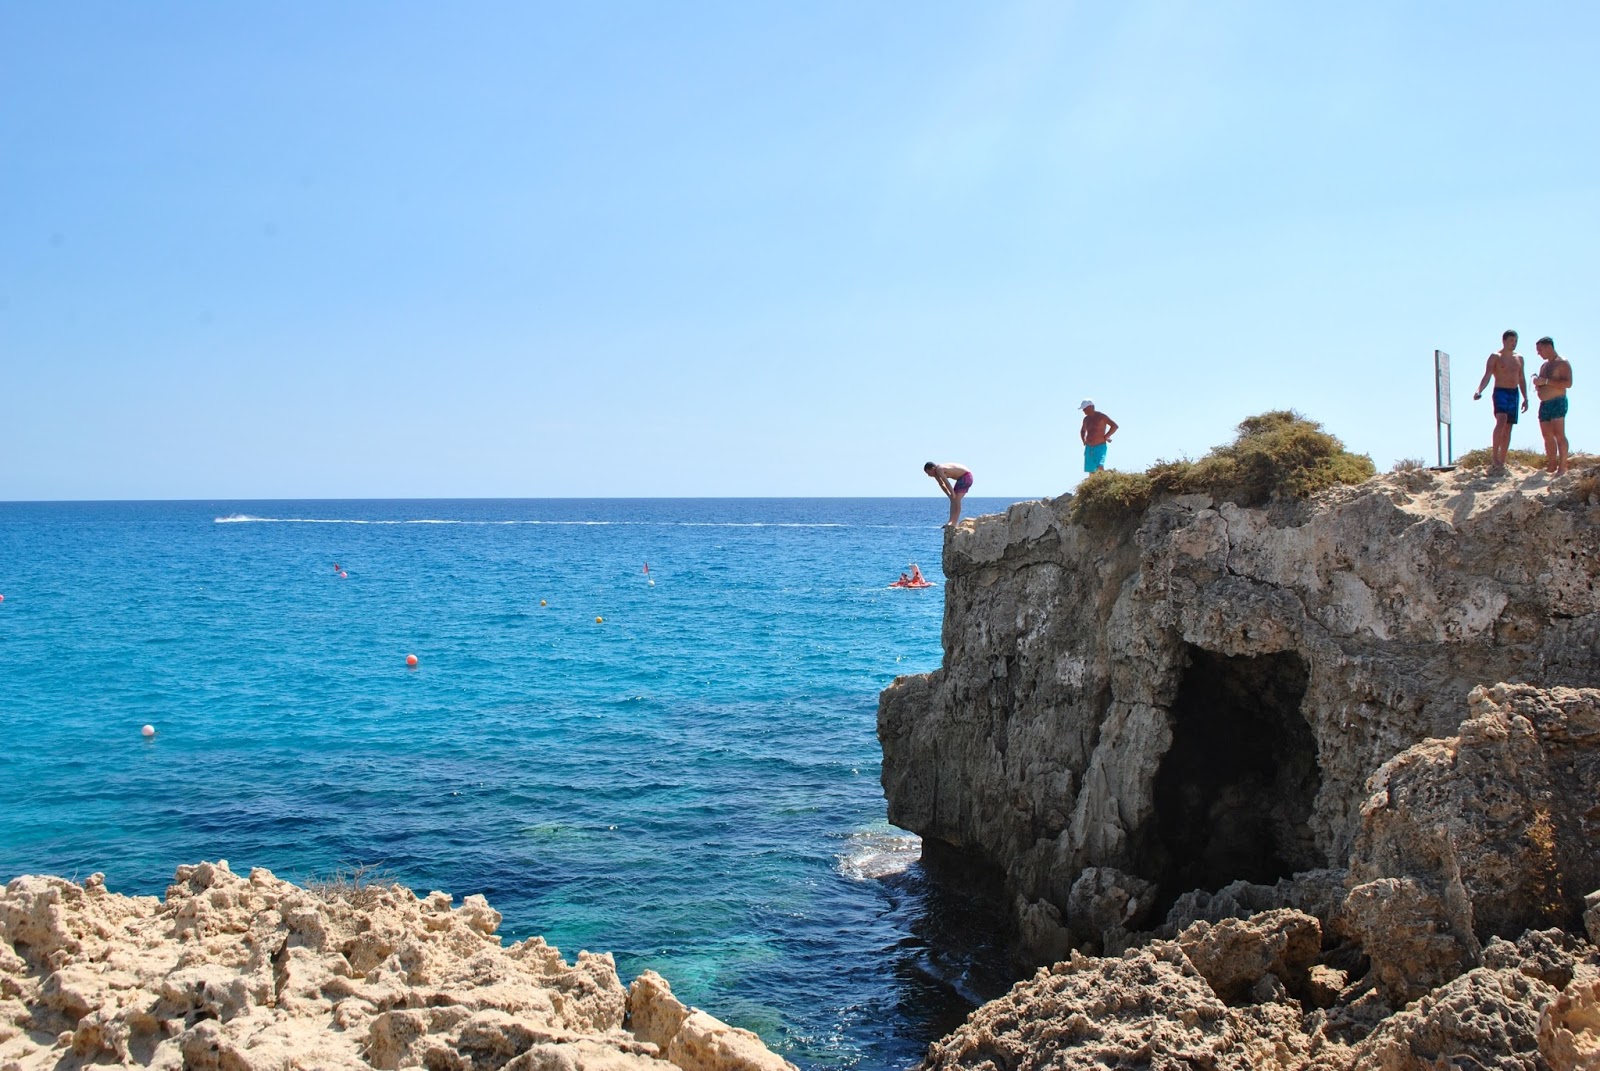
234, 973
1196, 695
1259, 785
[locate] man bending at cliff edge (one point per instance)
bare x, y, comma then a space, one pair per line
956, 491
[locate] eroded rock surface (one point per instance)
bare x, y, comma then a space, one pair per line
1199, 697
241, 973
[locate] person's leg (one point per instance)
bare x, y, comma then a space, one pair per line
1552, 461
1559, 428
955, 506
1502, 440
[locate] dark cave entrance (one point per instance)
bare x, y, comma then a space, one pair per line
1234, 793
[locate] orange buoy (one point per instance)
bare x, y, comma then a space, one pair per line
411, 660
599, 620
543, 603
343, 575
147, 731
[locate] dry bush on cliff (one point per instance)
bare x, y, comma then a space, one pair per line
361, 885
1276, 454
1479, 459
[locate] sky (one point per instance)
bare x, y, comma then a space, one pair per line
299, 250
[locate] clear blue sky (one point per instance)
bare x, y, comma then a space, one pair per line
387, 249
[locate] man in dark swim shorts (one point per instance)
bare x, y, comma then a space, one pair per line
1552, 382
1506, 368
955, 481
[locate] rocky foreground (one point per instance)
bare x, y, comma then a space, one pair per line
254, 974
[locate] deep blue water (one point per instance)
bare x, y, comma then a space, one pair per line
691, 784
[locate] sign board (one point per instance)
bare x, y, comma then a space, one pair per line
1441, 406
1441, 375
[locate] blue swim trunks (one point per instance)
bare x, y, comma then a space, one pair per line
1094, 457
1505, 401
1553, 409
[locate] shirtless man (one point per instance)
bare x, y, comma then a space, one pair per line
1552, 382
1096, 435
1506, 368
943, 475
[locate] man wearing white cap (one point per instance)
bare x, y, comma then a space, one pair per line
1096, 433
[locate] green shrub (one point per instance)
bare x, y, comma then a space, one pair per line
1279, 454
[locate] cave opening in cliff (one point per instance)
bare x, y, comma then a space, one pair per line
1234, 792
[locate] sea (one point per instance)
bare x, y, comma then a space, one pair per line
644, 727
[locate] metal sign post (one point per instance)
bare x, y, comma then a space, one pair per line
1442, 429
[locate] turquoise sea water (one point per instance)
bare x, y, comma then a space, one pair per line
691, 784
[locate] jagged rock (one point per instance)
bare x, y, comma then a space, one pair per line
1548, 955
1324, 985
1041, 932
1591, 916
1497, 819
249, 974
1235, 954
1199, 696
1484, 1019
1318, 893
1402, 926
1147, 1009
1104, 904
690, 1038
1569, 1028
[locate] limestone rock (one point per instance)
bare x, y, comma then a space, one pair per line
1104, 904
1498, 819
690, 1038
1402, 926
243, 973
1198, 697
1591, 916
1488, 1017
1235, 955
1569, 1028
1147, 1009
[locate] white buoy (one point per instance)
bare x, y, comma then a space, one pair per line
147, 730
652, 583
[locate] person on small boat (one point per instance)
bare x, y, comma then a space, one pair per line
916, 574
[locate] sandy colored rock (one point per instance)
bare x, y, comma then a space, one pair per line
1147, 1009
236, 974
1488, 1017
1199, 696
1569, 1028
690, 1038
1234, 955
1497, 818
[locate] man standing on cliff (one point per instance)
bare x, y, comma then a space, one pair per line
1096, 435
1506, 368
1555, 376
943, 475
